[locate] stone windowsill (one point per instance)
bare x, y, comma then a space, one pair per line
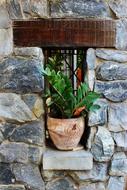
67, 160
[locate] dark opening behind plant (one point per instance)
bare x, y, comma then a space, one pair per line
60, 97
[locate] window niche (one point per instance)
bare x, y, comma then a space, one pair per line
71, 37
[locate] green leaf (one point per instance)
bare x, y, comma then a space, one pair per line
79, 94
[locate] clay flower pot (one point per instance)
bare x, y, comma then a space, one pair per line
65, 133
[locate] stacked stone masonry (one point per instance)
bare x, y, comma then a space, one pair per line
22, 124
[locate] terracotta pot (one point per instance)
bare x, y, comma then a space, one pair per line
65, 133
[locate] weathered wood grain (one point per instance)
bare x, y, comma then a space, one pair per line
65, 33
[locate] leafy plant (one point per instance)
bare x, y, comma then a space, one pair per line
60, 98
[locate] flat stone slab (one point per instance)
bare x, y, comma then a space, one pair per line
67, 160
79, 8
115, 91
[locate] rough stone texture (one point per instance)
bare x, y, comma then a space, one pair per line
91, 59
112, 54
98, 173
69, 160
7, 129
6, 175
29, 175
117, 116
32, 133
49, 175
27, 9
5, 21
119, 7
115, 91
79, 8
99, 117
35, 154
61, 184
20, 152
91, 79
35, 103
22, 75
116, 183
13, 152
121, 34
119, 164
13, 108
120, 140
16, 76
90, 140
103, 146
12, 187
39, 8
1, 137
109, 71
29, 52
93, 186
14, 9
6, 43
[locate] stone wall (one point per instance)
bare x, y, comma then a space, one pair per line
22, 124
108, 139
22, 131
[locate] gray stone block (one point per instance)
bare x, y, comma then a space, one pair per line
6, 175
111, 54
90, 140
7, 129
91, 59
49, 175
1, 137
69, 160
29, 52
103, 146
39, 8
20, 152
6, 42
13, 108
13, 152
91, 79
93, 186
108, 71
115, 91
117, 117
120, 140
5, 21
99, 117
12, 187
27, 9
117, 183
21, 75
32, 133
14, 9
119, 7
121, 34
35, 103
29, 175
98, 173
35, 154
119, 164
61, 184
79, 8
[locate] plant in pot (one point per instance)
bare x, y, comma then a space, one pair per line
66, 108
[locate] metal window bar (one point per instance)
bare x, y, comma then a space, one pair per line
74, 63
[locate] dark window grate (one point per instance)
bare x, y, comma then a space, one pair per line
73, 63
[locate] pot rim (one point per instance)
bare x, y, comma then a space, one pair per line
75, 118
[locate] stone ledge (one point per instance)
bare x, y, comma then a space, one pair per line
67, 160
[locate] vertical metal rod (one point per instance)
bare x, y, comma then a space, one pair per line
74, 69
